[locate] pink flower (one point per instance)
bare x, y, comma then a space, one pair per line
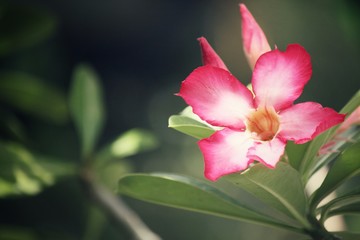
255, 126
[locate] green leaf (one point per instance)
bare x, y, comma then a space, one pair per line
353, 208
87, 107
347, 235
280, 188
23, 26
190, 126
31, 95
347, 198
58, 168
23, 172
346, 166
310, 158
108, 174
337, 144
191, 194
295, 153
129, 143
352, 104
19, 172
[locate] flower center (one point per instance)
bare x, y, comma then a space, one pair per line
263, 123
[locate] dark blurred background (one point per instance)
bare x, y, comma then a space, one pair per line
142, 50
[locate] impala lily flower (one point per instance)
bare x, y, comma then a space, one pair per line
256, 126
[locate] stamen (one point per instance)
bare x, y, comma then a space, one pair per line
263, 123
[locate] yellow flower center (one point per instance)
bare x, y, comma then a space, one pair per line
263, 123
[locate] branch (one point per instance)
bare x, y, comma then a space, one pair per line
116, 208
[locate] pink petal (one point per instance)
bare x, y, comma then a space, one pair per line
304, 121
217, 97
225, 152
209, 56
268, 152
279, 77
254, 39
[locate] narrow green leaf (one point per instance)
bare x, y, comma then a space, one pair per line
352, 209
310, 157
346, 166
337, 144
280, 188
129, 143
31, 95
58, 168
340, 203
191, 194
347, 235
87, 107
352, 104
19, 172
190, 126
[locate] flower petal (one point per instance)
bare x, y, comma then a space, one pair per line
225, 152
268, 152
304, 121
279, 77
217, 97
254, 39
209, 56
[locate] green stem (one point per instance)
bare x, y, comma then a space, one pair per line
318, 232
114, 206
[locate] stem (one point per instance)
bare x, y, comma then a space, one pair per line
115, 207
318, 232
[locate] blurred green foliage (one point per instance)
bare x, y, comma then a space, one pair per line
23, 26
142, 52
87, 107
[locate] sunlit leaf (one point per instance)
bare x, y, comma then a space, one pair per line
86, 106
31, 95
190, 126
346, 166
131, 142
19, 172
191, 194
23, 27
280, 188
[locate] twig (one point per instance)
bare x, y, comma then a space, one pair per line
116, 208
